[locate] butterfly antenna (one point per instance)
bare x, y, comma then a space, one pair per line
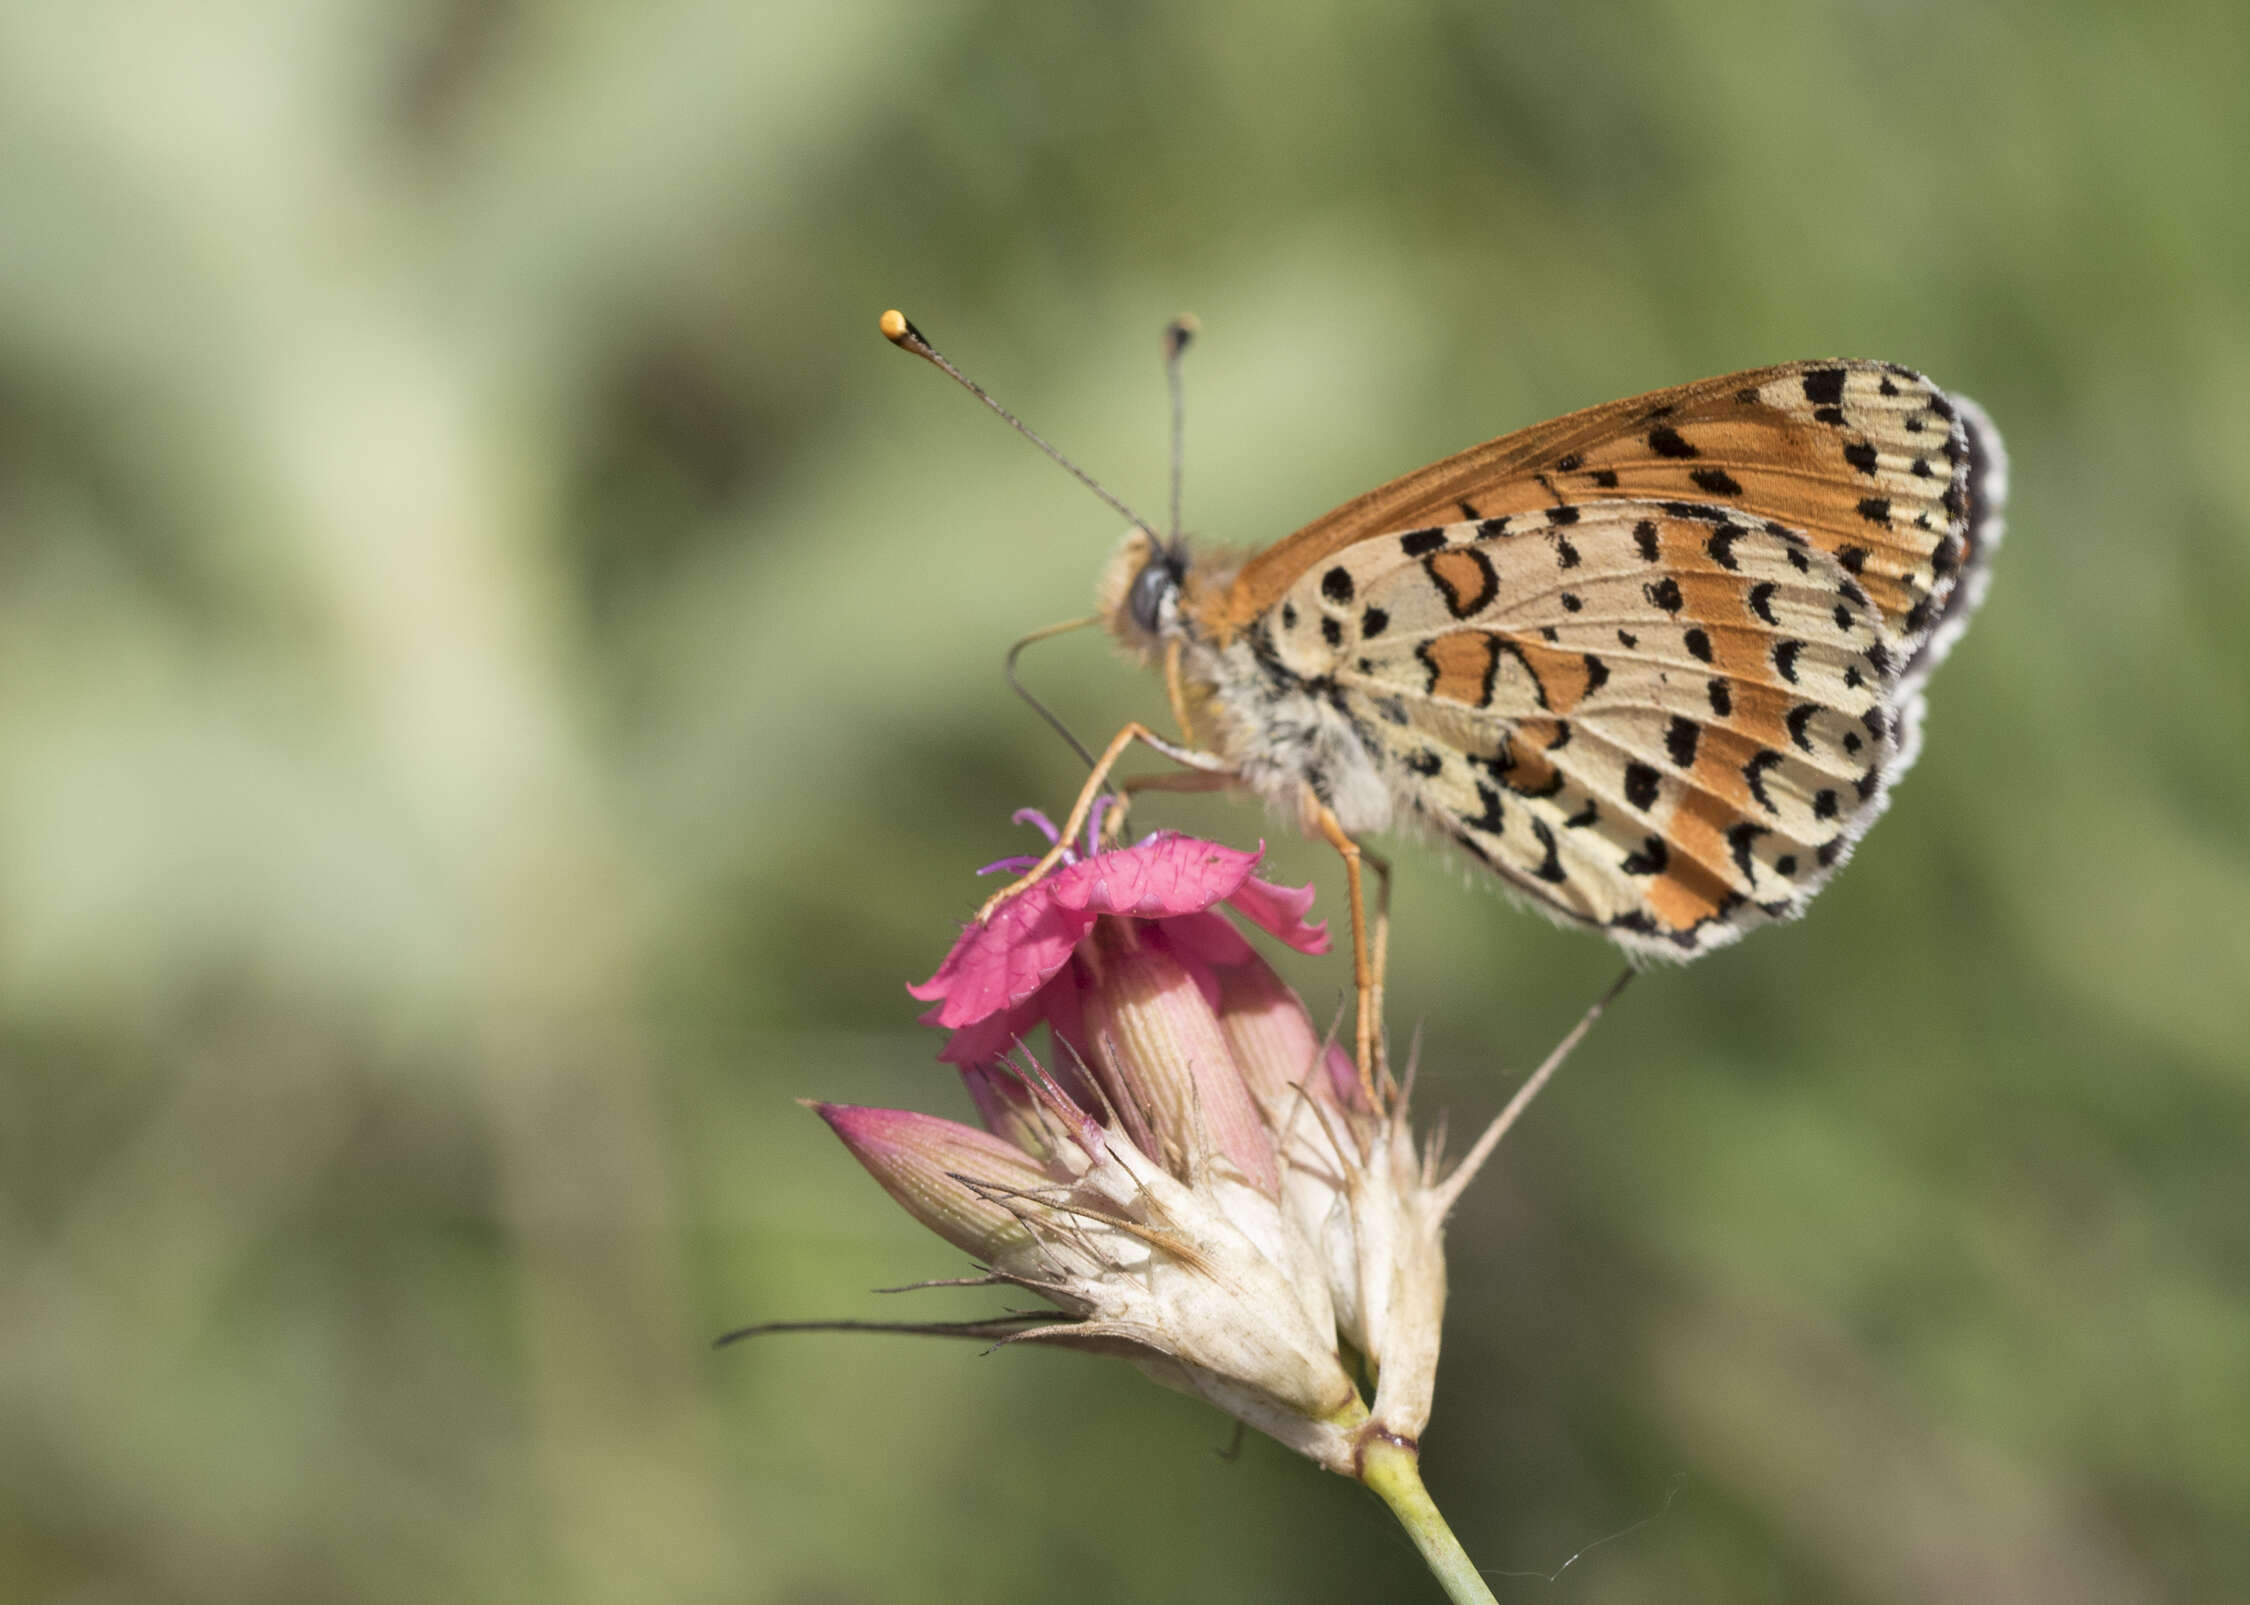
1054, 720
1177, 335
902, 333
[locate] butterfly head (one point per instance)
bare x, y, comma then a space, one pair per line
1140, 591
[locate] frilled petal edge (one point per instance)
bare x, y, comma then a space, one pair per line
1280, 911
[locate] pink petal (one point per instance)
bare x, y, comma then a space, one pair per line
1165, 876
991, 1038
1280, 910
1205, 944
1001, 962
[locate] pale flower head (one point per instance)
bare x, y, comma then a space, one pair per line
1192, 1176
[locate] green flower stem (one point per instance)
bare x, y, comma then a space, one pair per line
1393, 1470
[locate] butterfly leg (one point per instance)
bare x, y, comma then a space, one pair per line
1113, 823
1332, 832
1201, 761
1175, 688
1380, 962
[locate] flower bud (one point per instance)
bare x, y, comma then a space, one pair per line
920, 1160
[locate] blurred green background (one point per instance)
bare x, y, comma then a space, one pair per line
499, 689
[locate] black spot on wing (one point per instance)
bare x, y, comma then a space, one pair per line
1754, 776
1644, 537
1421, 542
1680, 739
1717, 481
1761, 600
1666, 441
1550, 862
1373, 622
1336, 585
1824, 387
1739, 840
1650, 860
1640, 786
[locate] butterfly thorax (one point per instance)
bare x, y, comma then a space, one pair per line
1287, 736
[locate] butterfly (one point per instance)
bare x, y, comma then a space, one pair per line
1654, 665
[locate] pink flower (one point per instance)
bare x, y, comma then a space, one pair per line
1197, 1181
1014, 972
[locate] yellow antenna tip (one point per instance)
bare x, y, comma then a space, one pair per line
894, 326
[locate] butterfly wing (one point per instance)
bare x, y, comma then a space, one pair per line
1654, 664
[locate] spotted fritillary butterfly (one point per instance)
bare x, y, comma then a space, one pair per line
1654, 665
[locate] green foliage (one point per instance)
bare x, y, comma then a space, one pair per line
499, 687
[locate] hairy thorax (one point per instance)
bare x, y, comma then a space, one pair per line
1284, 735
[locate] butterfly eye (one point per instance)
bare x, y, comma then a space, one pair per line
1156, 580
